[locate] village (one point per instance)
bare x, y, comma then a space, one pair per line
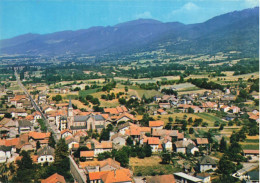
185, 136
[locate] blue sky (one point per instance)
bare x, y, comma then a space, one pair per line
46, 16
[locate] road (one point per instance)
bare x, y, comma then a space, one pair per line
36, 107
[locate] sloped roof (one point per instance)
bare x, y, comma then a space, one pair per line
55, 178
24, 123
121, 175
156, 123
206, 160
39, 135
161, 179
202, 140
87, 154
46, 150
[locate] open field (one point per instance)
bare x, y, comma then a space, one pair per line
209, 118
150, 166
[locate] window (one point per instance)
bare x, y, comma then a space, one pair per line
41, 159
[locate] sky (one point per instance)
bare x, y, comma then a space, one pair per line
19, 17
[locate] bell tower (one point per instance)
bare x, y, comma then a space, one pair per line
70, 115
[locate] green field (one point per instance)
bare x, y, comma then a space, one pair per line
250, 146
209, 117
84, 93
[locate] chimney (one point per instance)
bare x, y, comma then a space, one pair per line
114, 172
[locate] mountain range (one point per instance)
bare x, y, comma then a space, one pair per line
234, 31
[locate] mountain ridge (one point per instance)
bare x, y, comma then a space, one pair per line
230, 29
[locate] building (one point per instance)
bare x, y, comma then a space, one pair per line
55, 178
181, 177
207, 163
45, 154
156, 124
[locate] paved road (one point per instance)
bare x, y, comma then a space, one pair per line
36, 107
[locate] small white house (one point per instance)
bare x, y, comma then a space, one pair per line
45, 154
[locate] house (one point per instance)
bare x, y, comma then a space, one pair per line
162, 112
225, 108
119, 139
65, 133
43, 138
202, 142
45, 154
207, 163
89, 155
157, 98
109, 165
103, 146
165, 105
24, 126
154, 142
156, 124
5, 153
125, 117
248, 152
115, 111
180, 146
115, 176
161, 179
204, 176
191, 148
186, 178
234, 109
55, 178
123, 127
167, 143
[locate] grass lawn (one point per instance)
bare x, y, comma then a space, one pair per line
157, 169
84, 93
254, 146
209, 117
151, 165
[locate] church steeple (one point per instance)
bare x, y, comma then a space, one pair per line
70, 109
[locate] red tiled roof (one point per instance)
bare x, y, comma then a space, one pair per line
202, 140
156, 123
121, 175
39, 135
55, 178
64, 131
96, 175
87, 154
247, 151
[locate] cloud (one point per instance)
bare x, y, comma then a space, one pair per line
252, 3
146, 14
186, 7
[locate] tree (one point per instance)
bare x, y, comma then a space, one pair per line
122, 157
126, 89
129, 141
223, 145
225, 166
190, 120
166, 157
104, 155
51, 142
81, 148
38, 145
57, 98
8, 115
147, 150
25, 171
191, 131
61, 151
190, 110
